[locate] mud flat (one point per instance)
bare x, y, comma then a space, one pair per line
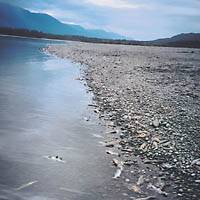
149, 99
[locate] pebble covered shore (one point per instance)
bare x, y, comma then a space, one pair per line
149, 99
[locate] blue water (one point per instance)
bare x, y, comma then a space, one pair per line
42, 113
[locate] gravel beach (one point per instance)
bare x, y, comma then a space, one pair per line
148, 98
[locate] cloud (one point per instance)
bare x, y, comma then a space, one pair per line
116, 4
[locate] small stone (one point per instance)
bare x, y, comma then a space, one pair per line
180, 190
109, 145
156, 123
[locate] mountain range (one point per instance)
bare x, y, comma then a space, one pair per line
18, 21
19, 18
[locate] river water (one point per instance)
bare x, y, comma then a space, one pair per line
42, 113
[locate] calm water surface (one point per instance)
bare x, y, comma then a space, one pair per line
42, 111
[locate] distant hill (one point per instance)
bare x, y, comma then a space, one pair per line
19, 18
181, 40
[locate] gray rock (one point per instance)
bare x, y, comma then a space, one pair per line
156, 123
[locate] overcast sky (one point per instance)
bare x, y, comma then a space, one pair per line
138, 19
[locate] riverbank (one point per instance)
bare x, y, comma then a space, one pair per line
149, 100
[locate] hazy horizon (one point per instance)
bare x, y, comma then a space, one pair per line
140, 20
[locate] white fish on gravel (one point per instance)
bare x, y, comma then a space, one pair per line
26, 185
140, 180
74, 191
97, 136
119, 165
135, 188
112, 152
146, 198
101, 143
118, 173
55, 158
156, 189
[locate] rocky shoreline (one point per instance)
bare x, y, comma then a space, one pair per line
149, 100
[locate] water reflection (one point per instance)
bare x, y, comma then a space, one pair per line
41, 113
